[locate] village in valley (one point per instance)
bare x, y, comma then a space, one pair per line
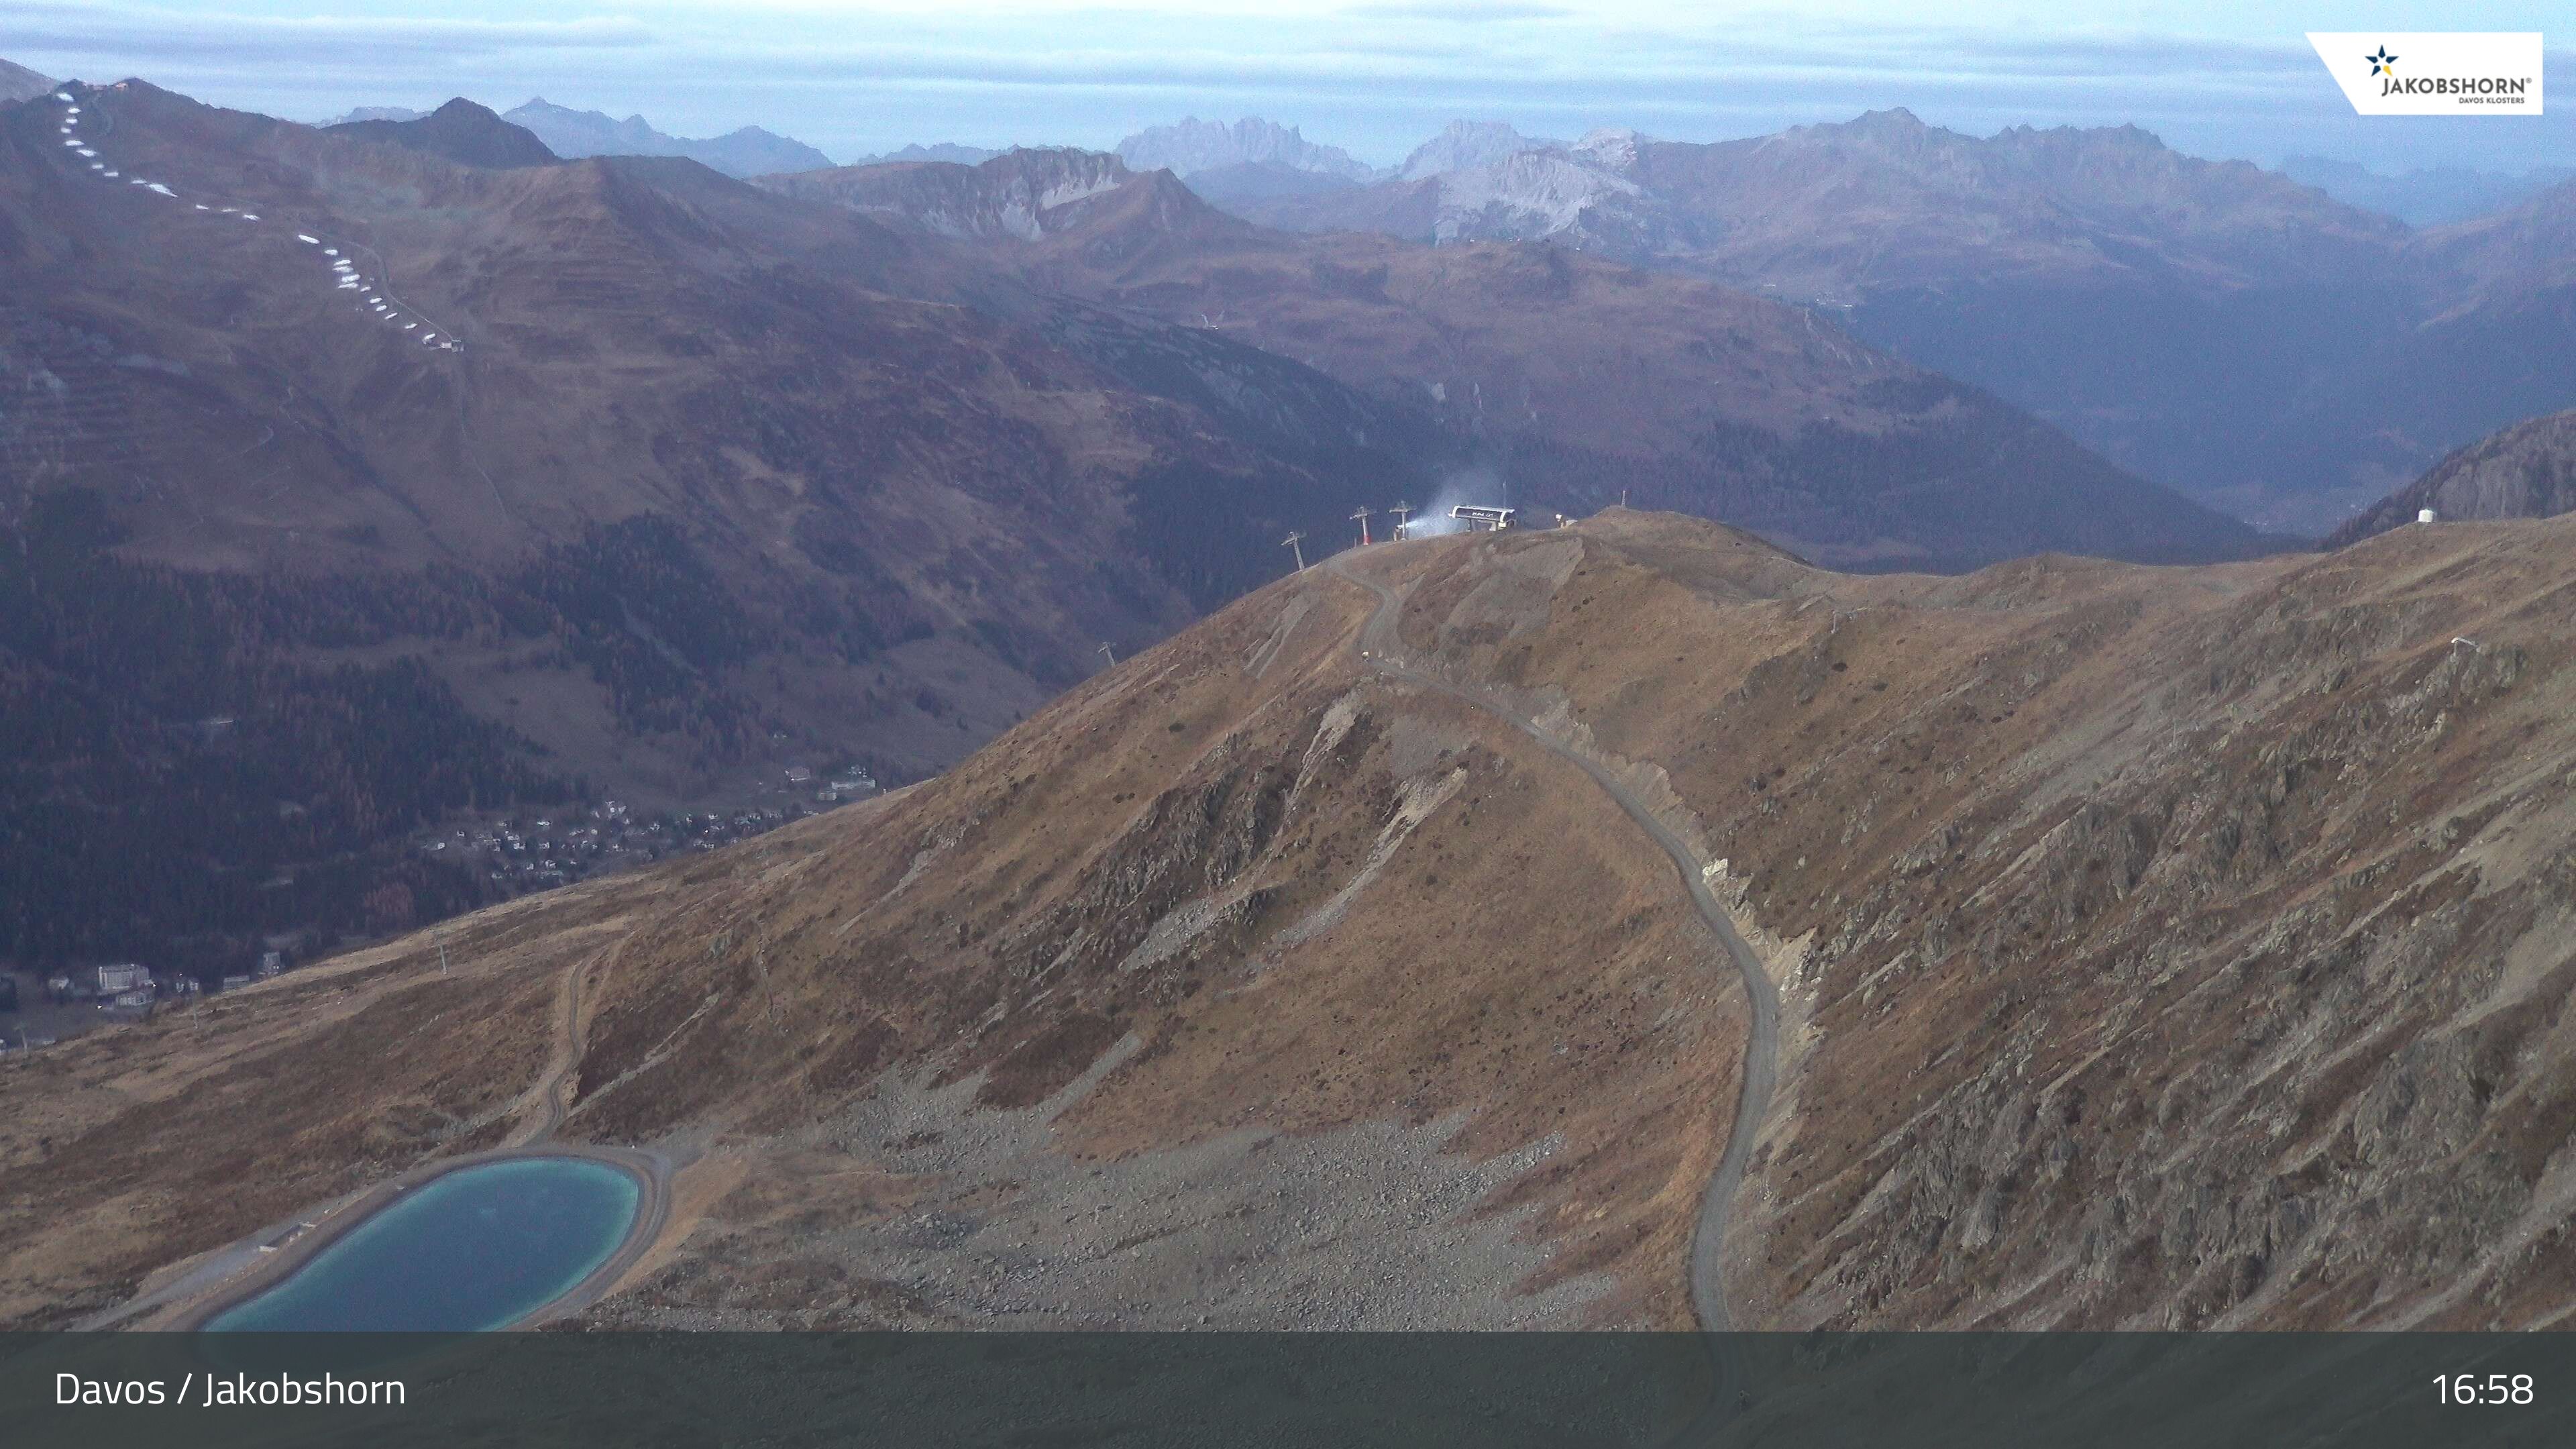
540, 852
515, 855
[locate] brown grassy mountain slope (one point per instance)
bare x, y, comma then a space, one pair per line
2526, 471
2156, 947
1582, 379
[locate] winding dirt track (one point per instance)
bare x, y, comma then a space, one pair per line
1380, 649
255, 1265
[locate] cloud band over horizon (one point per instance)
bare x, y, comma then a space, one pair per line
1374, 78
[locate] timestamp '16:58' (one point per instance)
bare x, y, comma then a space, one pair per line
2485, 1388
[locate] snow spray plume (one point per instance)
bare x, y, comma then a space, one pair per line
1479, 484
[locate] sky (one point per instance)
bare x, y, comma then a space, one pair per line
1373, 76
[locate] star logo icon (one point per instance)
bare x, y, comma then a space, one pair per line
2383, 63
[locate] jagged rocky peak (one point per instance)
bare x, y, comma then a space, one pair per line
1054, 165
1612, 148
1007, 196
1194, 146
1899, 133
2126, 145
2127, 134
1894, 121
1895, 131
1528, 194
1465, 144
1036, 180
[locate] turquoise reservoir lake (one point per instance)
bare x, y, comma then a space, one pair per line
481, 1247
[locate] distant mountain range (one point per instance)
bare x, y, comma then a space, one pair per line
2241, 374
943, 151
375, 113
1577, 379
2195, 321
2431, 196
1250, 161
750, 151
567, 133
1194, 146
864, 462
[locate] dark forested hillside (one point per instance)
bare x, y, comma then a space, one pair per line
175, 785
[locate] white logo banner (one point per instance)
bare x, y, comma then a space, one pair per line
2456, 73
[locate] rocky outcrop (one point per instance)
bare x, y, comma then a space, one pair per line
1014, 195
2526, 471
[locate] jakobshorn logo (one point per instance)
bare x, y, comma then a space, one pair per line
2455, 73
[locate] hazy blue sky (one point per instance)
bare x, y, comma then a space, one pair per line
2220, 79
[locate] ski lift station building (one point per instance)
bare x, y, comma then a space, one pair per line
1481, 518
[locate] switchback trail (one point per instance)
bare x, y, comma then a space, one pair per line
251, 1266
1379, 647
